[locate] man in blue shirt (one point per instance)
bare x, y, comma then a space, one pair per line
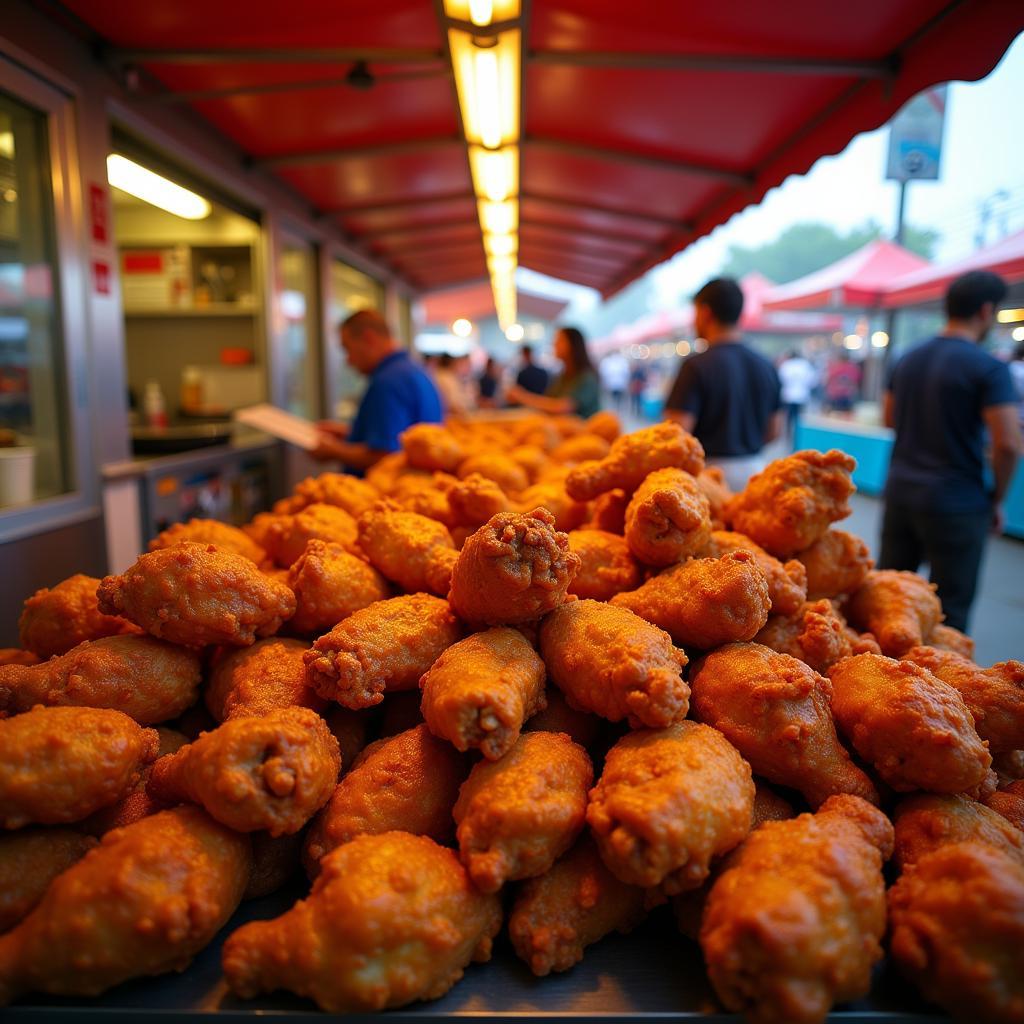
941, 397
531, 377
399, 394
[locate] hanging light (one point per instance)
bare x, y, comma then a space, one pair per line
487, 80
499, 218
482, 12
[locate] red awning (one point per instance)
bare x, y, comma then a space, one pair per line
857, 281
645, 125
758, 320
1005, 257
475, 302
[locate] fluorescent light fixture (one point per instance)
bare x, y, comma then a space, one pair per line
501, 245
879, 339
7, 144
495, 172
501, 265
499, 218
482, 12
487, 81
462, 328
151, 188
1004, 316
515, 332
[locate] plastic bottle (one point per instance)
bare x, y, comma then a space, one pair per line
191, 390
154, 405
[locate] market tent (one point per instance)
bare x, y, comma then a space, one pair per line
857, 281
758, 320
929, 284
475, 303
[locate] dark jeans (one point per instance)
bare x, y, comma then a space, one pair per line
952, 545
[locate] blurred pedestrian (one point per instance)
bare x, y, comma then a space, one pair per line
842, 383
1017, 373
452, 378
637, 386
578, 389
531, 377
614, 371
487, 385
797, 377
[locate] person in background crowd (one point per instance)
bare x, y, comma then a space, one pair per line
454, 384
577, 391
531, 377
1017, 373
940, 398
614, 371
399, 394
842, 383
637, 383
798, 378
488, 384
727, 396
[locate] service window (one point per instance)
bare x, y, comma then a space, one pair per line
351, 291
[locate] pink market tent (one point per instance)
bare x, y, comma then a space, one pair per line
929, 284
857, 281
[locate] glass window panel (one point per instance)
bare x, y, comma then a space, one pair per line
298, 308
351, 291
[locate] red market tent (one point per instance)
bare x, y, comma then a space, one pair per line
476, 303
929, 284
757, 319
857, 281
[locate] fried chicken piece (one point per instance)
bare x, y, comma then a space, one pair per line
29, 861
411, 550
1009, 802
609, 661
195, 595
513, 569
351, 729
575, 904
787, 583
384, 472
53, 621
711, 480
1009, 766
957, 926
329, 584
474, 500
925, 822
142, 903
515, 817
899, 609
430, 446
994, 696
287, 538
258, 528
632, 457
912, 727
17, 656
775, 710
794, 923
482, 689
275, 859
608, 512
559, 716
355, 496
946, 638
538, 432
817, 636
552, 496
790, 504
403, 783
382, 648
837, 563
667, 519
252, 681
581, 448
530, 458
705, 602
271, 773
149, 680
667, 802
58, 765
604, 424
427, 498
607, 566
211, 531
496, 466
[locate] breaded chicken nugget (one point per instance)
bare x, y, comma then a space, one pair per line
817, 636
517, 816
211, 531
668, 518
17, 656
608, 512
550, 495
482, 689
271, 773
1009, 802
667, 802
899, 609
392, 918
430, 446
604, 424
837, 563
912, 727
559, 716
787, 583
475, 499
355, 496
946, 638
609, 661
579, 449
607, 566
194, 594
496, 466
711, 481
287, 537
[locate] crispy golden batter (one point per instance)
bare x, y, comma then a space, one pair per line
287, 537
667, 519
430, 446
144, 902
496, 466
1009, 802
787, 583
789, 505
775, 710
914, 728
705, 602
29, 861
53, 621
607, 566
667, 802
149, 680
513, 569
211, 531
580, 448
531, 458
957, 925
609, 661
794, 923
899, 609
837, 563
632, 457
482, 689
604, 424
994, 696
552, 496
411, 550
946, 638
386, 646
575, 904
275, 859
195, 595
817, 636
474, 500
927, 821
58, 765
351, 729
403, 783
391, 919
17, 656
711, 481
355, 496
608, 512
517, 816
559, 716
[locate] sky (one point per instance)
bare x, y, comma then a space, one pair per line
983, 153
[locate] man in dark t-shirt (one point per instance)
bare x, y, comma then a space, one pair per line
531, 377
727, 396
940, 398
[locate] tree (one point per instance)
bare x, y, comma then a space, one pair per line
804, 248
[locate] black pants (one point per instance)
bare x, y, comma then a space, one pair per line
952, 545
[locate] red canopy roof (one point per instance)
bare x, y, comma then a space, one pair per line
645, 125
856, 281
475, 302
929, 284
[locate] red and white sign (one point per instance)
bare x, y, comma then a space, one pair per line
101, 277
99, 218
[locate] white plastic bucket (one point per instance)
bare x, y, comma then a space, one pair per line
17, 475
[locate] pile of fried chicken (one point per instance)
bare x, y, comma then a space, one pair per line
528, 672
